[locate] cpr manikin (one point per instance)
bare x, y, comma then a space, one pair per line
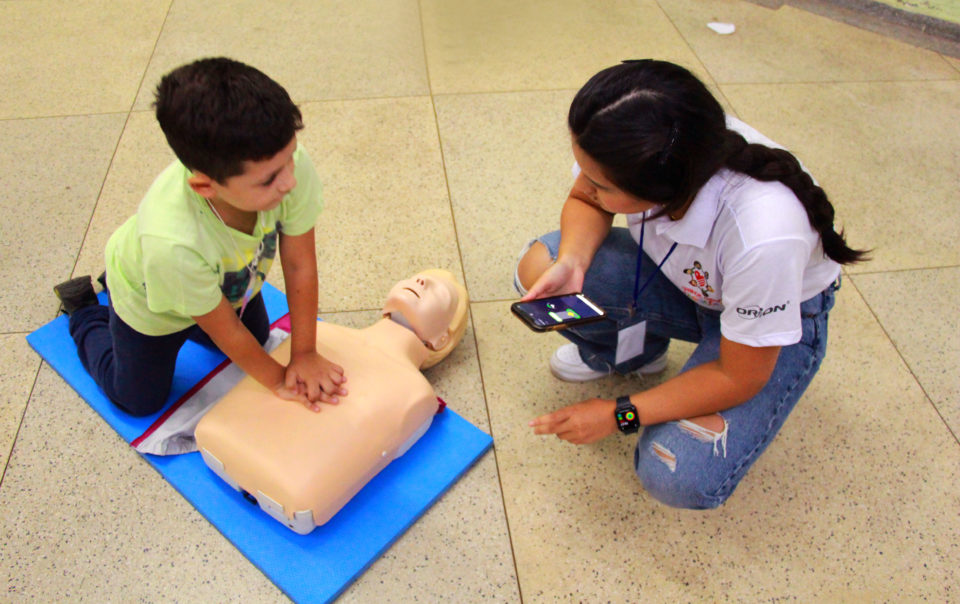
303, 466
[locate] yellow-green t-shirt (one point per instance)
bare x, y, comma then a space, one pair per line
174, 259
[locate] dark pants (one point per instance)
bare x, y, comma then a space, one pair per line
135, 370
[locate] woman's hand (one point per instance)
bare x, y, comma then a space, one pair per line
581, 423
561, 277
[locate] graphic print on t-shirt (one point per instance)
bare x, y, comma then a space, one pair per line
237, 280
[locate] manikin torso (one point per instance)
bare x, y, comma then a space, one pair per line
295, 460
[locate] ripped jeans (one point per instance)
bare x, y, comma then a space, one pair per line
680, 463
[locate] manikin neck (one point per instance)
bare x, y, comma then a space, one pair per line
404, 342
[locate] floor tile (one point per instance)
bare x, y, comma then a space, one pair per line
918, 312
793, 45
316, 49
20, 370
82, 516
74, 58
507, 183
141, 155
507, 46
459, 551
387, 212
51, 171
884, 153
823, 515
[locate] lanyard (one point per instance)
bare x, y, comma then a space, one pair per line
637, 288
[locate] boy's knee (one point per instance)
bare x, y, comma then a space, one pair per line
141, 404
532, 264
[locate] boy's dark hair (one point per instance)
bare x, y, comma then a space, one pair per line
660, 135
217, 113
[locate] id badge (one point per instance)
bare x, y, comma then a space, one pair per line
630, 341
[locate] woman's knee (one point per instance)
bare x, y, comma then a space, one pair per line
666, 481
532, 264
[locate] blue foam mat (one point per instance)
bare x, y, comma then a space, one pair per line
308, 568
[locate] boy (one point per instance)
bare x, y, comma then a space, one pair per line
190, 263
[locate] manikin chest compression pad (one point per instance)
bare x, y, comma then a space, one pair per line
308, 568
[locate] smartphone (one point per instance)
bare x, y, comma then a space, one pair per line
558, 312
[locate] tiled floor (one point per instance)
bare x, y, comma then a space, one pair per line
438, 128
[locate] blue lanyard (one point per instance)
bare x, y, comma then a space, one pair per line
637, 288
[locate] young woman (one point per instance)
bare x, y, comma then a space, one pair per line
730, 244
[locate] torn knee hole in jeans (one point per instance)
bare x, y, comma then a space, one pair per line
665, 455
711, 429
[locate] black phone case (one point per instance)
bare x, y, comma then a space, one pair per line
528, 321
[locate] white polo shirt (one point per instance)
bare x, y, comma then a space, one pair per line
745, 248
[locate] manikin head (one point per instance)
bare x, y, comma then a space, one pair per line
434, 305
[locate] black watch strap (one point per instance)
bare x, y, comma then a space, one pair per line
628, 420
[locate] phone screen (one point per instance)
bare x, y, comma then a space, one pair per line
558, 312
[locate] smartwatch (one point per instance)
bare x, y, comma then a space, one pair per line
628, 420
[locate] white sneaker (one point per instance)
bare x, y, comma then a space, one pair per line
567, 365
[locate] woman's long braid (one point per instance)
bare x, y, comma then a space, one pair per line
770, 164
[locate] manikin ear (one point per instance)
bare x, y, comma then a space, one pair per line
202, 185
440, 341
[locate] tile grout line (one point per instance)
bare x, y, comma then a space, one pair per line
113, 156
476, 343
126, 122
840, 82
903, 270
713, 78
916, 378
16, 434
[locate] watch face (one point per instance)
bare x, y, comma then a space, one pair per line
627, 420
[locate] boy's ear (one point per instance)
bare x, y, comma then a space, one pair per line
202, 185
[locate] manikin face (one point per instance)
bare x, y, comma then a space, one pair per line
262, 186
597, 188
428, 305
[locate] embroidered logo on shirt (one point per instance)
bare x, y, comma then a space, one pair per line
698, 278
757, 312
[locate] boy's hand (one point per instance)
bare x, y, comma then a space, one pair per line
291, 395
311, 374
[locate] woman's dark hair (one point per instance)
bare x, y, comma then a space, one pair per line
217, 113
660, 135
